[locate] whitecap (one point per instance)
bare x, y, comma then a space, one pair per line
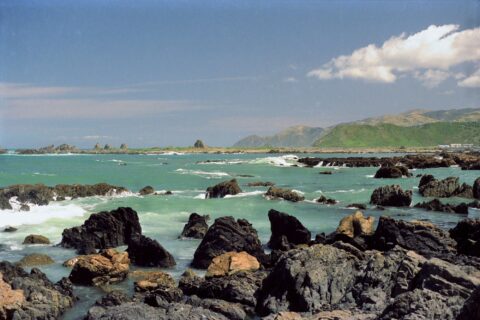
288, 160
214, 174
200, 196
245, 194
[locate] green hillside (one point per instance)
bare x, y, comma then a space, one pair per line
297, 136
389, 135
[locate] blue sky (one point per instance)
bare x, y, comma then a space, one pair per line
159, 73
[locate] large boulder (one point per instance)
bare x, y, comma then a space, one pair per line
308, 280
103, 230
392, 172
110, 266
225, 235
285, 194
196, 227
287, 231
146, 190
36, 239
393, 196
448, 187
222, 189
230, 263
147, 252
476, 189
356, 224
467, 235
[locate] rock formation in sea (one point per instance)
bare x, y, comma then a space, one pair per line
196, 227
392, 195
147, 252
223, 188
286, 194
287, 231
448, 187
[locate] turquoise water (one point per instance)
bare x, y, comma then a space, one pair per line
163, 217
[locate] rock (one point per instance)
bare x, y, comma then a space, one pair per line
437, 205
360, 206
10, 229
35, 259
307, 280
36, 239
356, 224
189, 282
4, 203
476, 189
326, 200
107, 147
325, 172
467, 235
392, 196
24, 207
227, 235
196, 227
287, 231
110, 266
231, 310
10, 300
168, 193
123, 146
147, 252
392, 172
97, 146
153, 280
222, 189
285, 194
471, 308
230, 263
448, 187
103, 230
199, 144
42, 298
81, 191
38, 194
113, 298
146, 190
260, 184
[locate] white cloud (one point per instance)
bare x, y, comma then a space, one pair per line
290, 79
428, 55
472, 81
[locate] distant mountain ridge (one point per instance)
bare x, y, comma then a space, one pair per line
387, 130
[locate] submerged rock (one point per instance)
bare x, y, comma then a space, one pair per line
35, 259
147, 252
196, 227
393, 196
260, 184
326, 200
230, 263
222, 189
437, 205
285, 194
225, 235
36, 239
287, 231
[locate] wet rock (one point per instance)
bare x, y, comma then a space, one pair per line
4, 203
146, 190
285, 194
325, 200
81, 191
393, 196
360, 206
225, 235
35, 259
325, 172
189, 282
196, 227
448, 187
308, 280
113, 298
231, 310
356, 224
38, 194
103, 230
10, 229
437, 205
152, 280
36, 239
260, 184
24, 207
110, 266
10, 300
287, 231
392, 172
222, 189
230, 263
147, 252
476, 189
467, 235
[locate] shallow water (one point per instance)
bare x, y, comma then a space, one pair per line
163, 217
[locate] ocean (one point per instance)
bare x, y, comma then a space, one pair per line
188, 175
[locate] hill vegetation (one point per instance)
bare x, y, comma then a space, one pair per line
297, 136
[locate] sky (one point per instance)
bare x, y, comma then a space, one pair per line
165, 73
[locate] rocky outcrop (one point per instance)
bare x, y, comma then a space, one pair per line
199, 144
437, 205
152, 280
230, 263
222, 189
467, 235
147, 252
4, 203
356, 224
287, 231
103, 230
324, 200
392, 172
196, 227
476, 189
471, 307
393, 196
146, 190
113, 298
110, 266
227, 235
35, 259
10, 229
36, 239
289, 195
448, 187
260, 184
42, 299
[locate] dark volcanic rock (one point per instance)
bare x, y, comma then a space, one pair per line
113, 298
196, 227
222, 189
146, 190
260, 184
286, 194
392, 196
103, 230
226, 235
467, 235
448, 187
392, 172
287, 231
437, 205
471, 308
476, 189
147, 252
324, 200
308, 280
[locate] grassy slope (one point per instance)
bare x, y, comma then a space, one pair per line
388, 135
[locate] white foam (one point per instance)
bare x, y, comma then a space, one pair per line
39, 214
298, 191
245, 194
348, 191
370, 175
214, 174
172, 153
223, 162
200, 196
287, 160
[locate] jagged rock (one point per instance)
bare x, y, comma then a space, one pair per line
227, 235
113, 298
222, 189
287, 231
392, 172
261, 184
231, 310
103, 230
448, 187
10, 300
471, 307
476, 189
196, 227
437, 205
147, 252
308, 280
392, 196
35, 259
110, 266
467, 235
356, 224
4, 203
36, 239
230, 263
285, 194
10, 229
326, 200
152, 280
189, 282
199, 144
146, 190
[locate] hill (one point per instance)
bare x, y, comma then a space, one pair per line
389, 135
297, 136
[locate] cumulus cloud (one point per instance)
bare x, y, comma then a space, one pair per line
428, 55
